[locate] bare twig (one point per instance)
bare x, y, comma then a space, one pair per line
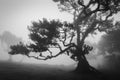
60, 48
50, 52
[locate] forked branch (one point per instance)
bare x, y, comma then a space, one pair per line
51, 56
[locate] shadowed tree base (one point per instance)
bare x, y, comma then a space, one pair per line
83, 67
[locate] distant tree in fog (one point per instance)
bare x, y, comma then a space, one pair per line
109, 47
110, 42
8, 39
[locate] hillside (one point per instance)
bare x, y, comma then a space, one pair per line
17, 71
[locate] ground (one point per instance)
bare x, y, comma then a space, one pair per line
17, 71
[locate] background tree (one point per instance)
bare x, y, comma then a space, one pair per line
87, 18
110, 42
7, 39
109, 47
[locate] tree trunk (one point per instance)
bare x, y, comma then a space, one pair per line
83, 67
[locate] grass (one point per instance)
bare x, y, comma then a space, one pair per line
17, 71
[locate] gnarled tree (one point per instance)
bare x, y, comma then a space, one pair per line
82, 11
88, 16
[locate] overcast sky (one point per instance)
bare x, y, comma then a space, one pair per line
16, 15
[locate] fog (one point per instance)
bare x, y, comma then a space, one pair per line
106, 53
7, 39
104, 61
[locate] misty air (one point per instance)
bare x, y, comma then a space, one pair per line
59, 40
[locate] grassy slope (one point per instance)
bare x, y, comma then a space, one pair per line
15, 71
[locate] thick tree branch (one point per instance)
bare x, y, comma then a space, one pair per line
89, 30
72, 36
38, 58
67, 38
109, 15
52, 56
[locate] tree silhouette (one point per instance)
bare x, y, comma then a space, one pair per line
87, 18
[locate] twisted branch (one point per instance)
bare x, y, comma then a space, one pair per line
52, 56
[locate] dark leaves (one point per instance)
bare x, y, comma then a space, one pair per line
44, 34
19, 49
